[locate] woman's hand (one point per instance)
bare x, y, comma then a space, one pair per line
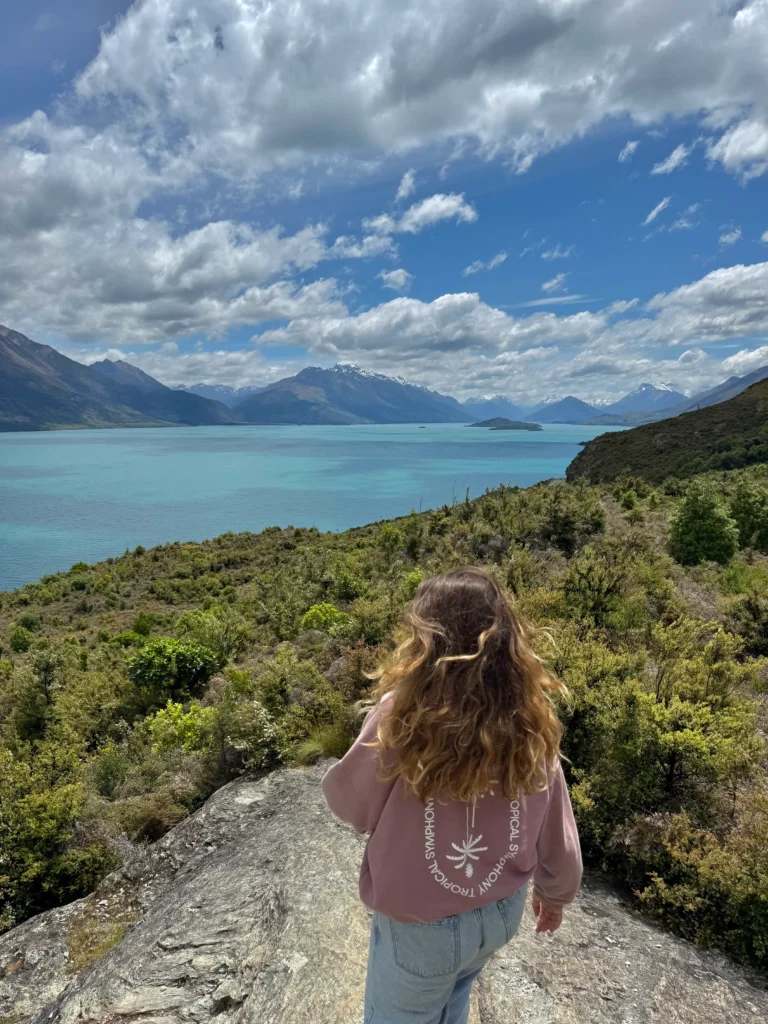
548, 919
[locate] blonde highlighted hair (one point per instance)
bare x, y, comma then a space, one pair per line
468, 704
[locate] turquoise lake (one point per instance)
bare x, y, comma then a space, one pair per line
83, 495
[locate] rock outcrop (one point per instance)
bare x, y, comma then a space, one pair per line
247, 913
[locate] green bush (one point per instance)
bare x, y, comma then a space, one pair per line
701, 529
167, 669
324, 617
749, 510
221, 629
143, 623
21, 640
172, 727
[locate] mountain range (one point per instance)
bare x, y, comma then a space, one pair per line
42, 389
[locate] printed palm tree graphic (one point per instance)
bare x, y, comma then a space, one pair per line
468, 850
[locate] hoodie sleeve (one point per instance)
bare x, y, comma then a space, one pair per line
351, 788
557, 877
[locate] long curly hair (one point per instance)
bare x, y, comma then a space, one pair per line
469, 705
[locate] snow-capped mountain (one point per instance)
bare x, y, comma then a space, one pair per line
346, 393
647, 398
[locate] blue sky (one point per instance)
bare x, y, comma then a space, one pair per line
550, 197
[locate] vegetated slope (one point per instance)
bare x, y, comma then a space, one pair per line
349, 394
42, 389
132, 689
728, 435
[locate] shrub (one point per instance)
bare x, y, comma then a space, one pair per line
749, 509
221, 629
411, 582
174, 727
701, 529
171, 669
128, 639
571, 517
245, 736
143, 623
29, 622
21, 640
324, 617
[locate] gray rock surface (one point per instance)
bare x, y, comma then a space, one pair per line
247, 913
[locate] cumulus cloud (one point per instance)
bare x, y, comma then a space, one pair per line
657, 210
628, 151
677, 158
424, 214
764, 237
730, 237
555, 284
407, 185
398, 280
746, 361
478, 265
250, 85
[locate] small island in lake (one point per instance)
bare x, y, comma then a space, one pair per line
502, 423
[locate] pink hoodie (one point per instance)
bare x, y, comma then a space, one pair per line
423, 863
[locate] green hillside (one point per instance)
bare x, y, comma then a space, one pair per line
730, 435
131, 689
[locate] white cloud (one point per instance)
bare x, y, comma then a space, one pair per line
657, 210
424, 214
365, 248
743, 149
249, 85
677, 158
558, 253
746, 361
764, 237
730, 237
478, 265
407, 185
628, 151
398, 280
555, 284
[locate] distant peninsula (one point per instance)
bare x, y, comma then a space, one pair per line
501, 423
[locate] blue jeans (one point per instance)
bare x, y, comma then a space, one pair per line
423, 973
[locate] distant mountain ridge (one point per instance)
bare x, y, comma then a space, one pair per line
345, 393
224, 393
489, 406
41, 389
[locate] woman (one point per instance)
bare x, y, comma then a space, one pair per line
456, 778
